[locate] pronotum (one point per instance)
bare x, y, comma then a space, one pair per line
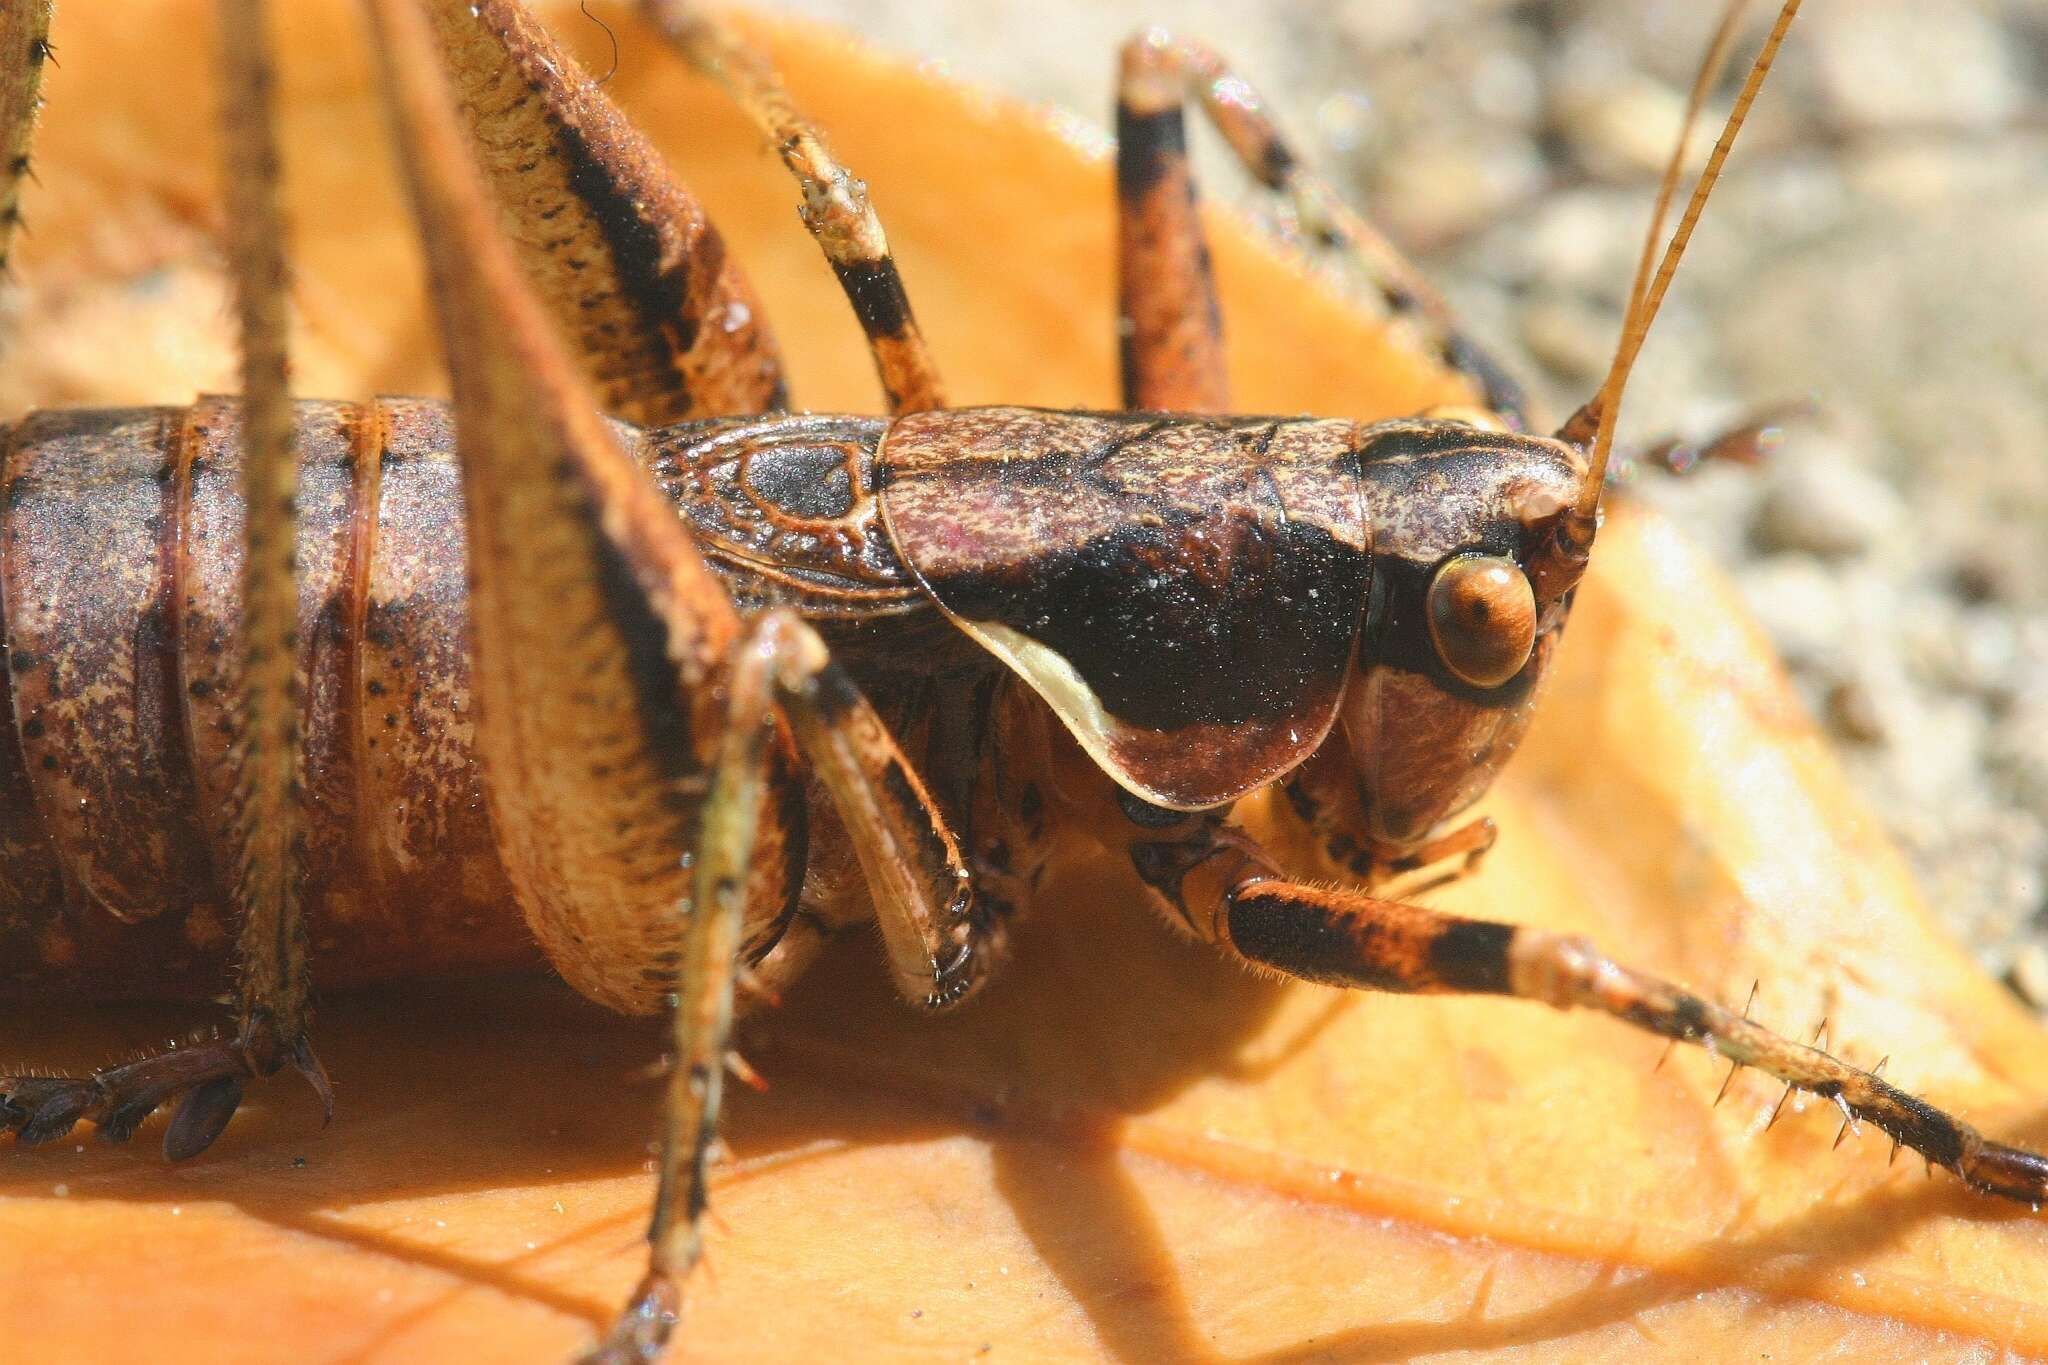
1362, 612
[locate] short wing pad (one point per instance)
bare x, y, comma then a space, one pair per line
1184, 592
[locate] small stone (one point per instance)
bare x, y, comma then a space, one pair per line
1824, 503
1505, 88
2029, 975
1584, 240
1986, 657
2019, 753
1432, 189
1569, 337
1347, 122
1376, 25
1627, 130
1938, 743
1852, 713
1983, 574
1904, 63
1799, 604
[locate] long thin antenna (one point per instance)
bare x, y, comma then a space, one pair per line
1599, 416
1703, 83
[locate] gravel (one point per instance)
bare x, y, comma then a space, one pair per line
1875, 248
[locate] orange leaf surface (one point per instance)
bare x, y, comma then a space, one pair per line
1127, 1148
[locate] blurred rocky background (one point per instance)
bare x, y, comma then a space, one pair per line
1876, 250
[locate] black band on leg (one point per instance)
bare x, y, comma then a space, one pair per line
1362, 942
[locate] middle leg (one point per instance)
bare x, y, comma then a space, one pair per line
836, 207
1170, 330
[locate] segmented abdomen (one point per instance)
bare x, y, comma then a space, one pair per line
120, 551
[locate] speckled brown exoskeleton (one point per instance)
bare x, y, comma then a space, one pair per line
741, 677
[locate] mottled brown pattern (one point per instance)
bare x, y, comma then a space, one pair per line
87, 546
32, 897
786, 507
1186, 593
373, 913
340, 473
207, 479
636, 276
1435, 488
1203, 577
424, 831
1169, 335
402, 873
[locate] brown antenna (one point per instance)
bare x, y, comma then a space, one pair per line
1597, 418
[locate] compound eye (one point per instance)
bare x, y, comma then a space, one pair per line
1482, 617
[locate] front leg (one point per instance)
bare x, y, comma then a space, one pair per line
1216, 881
1349, 939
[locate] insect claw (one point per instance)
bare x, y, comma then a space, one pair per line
1878, 1070
309, 1066
1727, 1081
1843, 1132
748, 983
1820, 1038
1664, 1056
1750, 1004
1894, 1156
745, 1073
